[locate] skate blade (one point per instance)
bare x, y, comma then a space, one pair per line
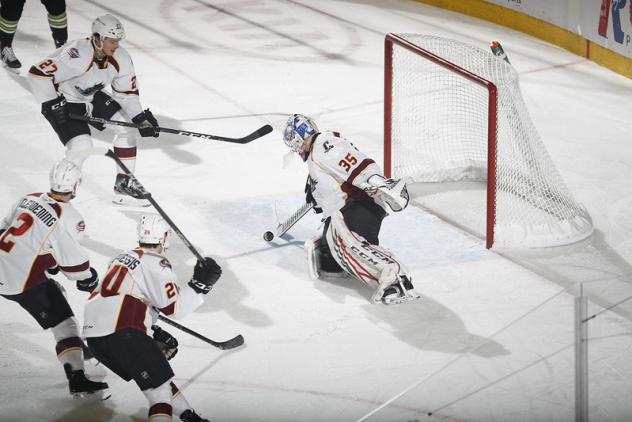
128, 201
409, 296
97, 395
14, 70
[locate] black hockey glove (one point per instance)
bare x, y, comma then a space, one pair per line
89, 284
56, 110
309, 198
166, 342
146, 124
205, 275
53, 271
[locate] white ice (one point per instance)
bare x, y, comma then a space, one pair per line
318, 350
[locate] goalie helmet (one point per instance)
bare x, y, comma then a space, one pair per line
298, 129
154, 230
108, 26
65, 177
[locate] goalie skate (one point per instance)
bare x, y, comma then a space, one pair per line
400, 292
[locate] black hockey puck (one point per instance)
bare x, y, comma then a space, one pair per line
268, 236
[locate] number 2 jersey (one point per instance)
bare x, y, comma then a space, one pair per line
138, 284
337, 169
40, 233
73, 70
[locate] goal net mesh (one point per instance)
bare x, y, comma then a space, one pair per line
439, 133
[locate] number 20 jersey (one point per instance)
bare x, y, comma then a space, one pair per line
40, 233
137, 285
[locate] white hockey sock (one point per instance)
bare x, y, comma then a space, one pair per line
159, 402
124, 144
78, 143
178, 401
69, 346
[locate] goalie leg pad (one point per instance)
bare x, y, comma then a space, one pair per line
371, 264
312, 248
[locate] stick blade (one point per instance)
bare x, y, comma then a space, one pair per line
262, 131
232, 343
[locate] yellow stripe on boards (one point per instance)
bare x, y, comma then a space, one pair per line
540, 29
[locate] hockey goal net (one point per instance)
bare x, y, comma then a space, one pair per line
454, 119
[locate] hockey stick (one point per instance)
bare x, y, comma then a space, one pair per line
263, 130
224, 345
286, 225
144, 194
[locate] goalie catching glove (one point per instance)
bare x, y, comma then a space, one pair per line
166, 342
391, 191
205, 275
147, 124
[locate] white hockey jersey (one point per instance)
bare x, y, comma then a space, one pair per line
40, 233
137, 285
73, 70
337, 169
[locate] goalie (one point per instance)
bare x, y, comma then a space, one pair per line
349, 189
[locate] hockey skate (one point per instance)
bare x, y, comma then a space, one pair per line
8, 58
400, 292
128, 193
80, 386
189, 415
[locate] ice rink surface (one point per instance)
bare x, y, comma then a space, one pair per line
492, 338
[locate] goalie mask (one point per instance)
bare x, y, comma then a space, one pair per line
108, 26
65, 177
298, 129
154, 230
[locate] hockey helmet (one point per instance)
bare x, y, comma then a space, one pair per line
154, 230
108, 26
298, 128
65, 177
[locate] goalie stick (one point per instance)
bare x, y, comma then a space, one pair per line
285, 226
224, 345
263, 130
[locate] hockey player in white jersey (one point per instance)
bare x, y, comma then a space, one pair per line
72, 79
350, 190
41, 235
138, 285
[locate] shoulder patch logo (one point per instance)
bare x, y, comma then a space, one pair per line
164, 263
81, 226
73, 53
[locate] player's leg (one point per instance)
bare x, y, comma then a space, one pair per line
57, 20
48, 306
370, 263
124, 145
10, 13
182, 407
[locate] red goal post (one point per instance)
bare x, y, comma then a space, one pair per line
457, 101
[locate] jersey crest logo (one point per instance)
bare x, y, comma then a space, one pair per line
73, 53
327, 146
81, 226
164, 263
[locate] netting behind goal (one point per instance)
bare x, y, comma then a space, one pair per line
454, 114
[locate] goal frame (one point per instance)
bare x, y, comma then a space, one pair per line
492, 106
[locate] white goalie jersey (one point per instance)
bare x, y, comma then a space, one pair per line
40, 233
74, 71
337, 169
137, 285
